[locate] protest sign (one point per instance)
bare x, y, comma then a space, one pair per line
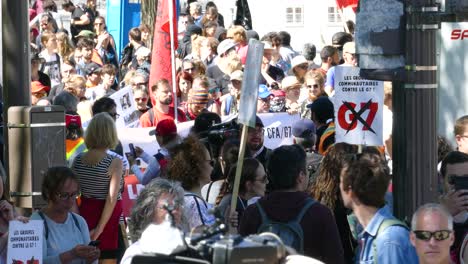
126, 108
278, 131
25, 242
358, 108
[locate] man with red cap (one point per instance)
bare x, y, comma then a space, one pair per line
166, 136
38, 91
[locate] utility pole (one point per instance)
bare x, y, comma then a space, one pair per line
16, 62
397, 42
415, 114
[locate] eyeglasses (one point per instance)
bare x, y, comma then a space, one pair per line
170, 207
140, 83
65, 196
211, 162
114, 115
39, 94
438, 235
258, 130
314, 86
143, 99
264, 179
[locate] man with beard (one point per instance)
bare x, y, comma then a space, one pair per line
255, 138
162, 95
330, 58
315, 85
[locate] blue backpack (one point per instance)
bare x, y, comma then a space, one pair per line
291, 233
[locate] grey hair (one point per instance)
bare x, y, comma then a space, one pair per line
429, 208
306, 142
67, 100
144, 209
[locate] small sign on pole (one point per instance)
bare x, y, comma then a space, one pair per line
358, 108
248, 106
25, 242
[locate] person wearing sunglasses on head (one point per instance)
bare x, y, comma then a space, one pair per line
364, 182
432, 233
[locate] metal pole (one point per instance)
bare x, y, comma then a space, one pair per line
16, 63
415, 115
173, 66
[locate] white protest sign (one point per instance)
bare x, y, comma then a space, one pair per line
278, 131
25, 242
358, 108
126, 108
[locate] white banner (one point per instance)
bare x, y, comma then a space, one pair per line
278, 131
25, 242
358, 108
126, 108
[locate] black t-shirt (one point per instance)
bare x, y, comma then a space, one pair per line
274, 72
76, 15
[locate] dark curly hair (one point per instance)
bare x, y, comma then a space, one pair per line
54, 179
186, 159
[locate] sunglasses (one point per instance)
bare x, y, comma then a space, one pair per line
213, 90
143, 99
66, 196
314, 86
439, 235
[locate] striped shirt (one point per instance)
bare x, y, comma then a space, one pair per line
94, 179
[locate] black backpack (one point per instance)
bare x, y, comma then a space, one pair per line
291, 233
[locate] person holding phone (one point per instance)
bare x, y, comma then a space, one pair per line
66, 234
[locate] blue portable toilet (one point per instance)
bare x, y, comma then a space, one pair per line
122, 15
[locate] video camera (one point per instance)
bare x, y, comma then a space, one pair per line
214, 246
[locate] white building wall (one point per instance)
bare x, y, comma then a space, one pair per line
270, 15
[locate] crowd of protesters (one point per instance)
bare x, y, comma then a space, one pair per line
335, 197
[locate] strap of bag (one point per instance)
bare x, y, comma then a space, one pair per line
262, 213
46, 227
385, 223
209, 189
306, 207
195, 197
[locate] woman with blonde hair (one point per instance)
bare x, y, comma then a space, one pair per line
65, 47
239, 35
100, 177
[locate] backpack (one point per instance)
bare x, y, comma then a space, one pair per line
46, 227
385, 223
291, 233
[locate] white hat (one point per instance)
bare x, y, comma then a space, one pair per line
298, 60
267, 45
143, 52
225, 45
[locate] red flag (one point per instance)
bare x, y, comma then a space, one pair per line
161, 65
340, 4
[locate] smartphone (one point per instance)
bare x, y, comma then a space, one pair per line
94, 243
132, 150
460, 182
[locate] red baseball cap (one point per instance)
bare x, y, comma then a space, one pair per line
72, 119
164, 128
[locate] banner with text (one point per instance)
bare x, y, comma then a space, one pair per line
358, 108
278, 131
25, 242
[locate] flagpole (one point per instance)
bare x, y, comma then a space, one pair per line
173, 63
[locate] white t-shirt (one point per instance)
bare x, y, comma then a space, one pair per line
214, 191
51, 67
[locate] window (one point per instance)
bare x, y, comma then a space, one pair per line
333, 15
294, 16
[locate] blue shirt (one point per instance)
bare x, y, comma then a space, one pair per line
63, 237
393, 244
152, 171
